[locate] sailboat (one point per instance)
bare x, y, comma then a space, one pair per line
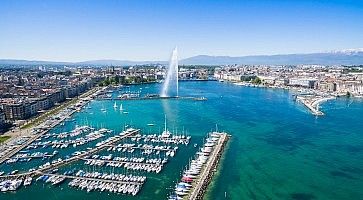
115, 105
165, 133
103, 109
123, 110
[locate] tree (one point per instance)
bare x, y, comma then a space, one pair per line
106, 82
117, 79
257, 81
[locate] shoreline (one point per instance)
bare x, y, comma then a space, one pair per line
311, 102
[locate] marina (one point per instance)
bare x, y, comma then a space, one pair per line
129, 150
137, 154
181, 100
44, 127
197, 118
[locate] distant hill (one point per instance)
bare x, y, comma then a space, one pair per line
343, 57
30, 62
118, 62
90, 62
329, 58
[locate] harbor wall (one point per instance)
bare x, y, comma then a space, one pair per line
205, 179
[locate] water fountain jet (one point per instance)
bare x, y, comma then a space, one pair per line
171, 76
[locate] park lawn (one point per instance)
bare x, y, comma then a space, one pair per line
4, 138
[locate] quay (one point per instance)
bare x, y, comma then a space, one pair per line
201, 183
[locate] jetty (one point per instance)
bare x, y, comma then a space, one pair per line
151, 98
208, 171
313, 102
197, 176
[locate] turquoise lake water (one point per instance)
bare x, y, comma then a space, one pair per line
278, 150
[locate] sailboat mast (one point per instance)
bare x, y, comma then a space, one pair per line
165, 124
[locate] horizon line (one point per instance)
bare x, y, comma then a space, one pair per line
166, 60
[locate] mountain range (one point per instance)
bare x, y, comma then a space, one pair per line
341, 57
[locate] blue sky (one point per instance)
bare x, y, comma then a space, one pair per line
71, 30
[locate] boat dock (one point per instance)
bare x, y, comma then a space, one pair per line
32, 139
141, 147
206, 176
91, 179
119, 162
27, 157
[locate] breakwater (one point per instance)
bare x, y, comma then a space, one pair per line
206, 177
